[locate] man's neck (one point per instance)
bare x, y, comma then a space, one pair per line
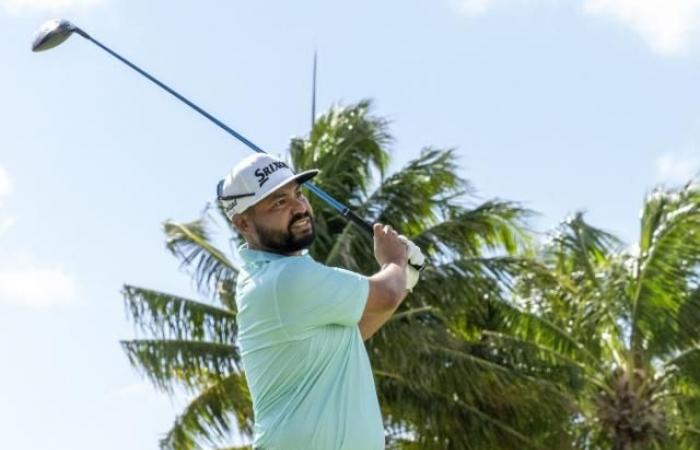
270, 250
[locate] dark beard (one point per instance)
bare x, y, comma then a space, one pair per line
285, 242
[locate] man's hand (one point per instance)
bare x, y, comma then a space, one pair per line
416, 261
388, 248
387, 288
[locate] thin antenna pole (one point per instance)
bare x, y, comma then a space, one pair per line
313, 91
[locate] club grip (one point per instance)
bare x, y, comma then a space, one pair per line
359, 222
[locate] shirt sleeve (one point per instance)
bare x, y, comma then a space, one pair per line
310, 294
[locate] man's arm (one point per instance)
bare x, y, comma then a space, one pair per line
387, 288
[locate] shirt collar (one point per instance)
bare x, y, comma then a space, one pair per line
250, 255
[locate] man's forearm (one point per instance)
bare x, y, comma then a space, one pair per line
394, 277
372, 323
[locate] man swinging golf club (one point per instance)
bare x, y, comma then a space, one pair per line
301, 324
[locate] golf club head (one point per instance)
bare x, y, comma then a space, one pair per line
52, 33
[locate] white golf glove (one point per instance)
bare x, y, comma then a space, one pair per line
416, 261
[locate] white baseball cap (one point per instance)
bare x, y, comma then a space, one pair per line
253, 179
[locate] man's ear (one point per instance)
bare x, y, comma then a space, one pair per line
242, 223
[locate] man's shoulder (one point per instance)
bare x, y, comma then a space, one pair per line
297, 267
302, 262
259, 277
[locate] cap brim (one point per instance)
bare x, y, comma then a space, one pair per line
305, 176
300, 178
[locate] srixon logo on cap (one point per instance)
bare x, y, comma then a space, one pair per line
263, 173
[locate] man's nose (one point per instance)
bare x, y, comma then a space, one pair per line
300, 205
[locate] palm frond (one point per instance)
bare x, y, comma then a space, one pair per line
190, 242
419, 201
539, 360
669, 261
428, 410
490, 227
530, 327
167, 316
414, 344
207, 418
404, 314
579, 247
581, 284
167, 363
689, 319
418, 195
687, 365
463, 288
410, 199
347, 144
685, 424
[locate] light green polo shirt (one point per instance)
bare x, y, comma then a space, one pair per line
303, 355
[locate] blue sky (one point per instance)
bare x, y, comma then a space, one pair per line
558, 104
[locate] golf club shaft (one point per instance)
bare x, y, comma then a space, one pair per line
320, 193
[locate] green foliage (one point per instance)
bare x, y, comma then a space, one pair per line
186, 361
211, 269
168, 316
206, 418
627, 320
348, 146
463, 364
666, 267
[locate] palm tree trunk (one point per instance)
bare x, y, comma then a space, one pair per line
621, 443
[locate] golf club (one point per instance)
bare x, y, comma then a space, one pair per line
55, 32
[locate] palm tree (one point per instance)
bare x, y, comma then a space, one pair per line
441, 383
627, 320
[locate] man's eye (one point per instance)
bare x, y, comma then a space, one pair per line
280, 202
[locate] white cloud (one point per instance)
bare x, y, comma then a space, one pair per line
478, 7
24, 283
677, 167
20, 6
5, 191
6, 223
474, 7
666, 25
37, 287
5, 184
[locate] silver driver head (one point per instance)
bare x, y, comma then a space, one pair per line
52, 33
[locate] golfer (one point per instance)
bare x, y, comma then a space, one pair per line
301, 324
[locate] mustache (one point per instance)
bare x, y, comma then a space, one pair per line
301, 216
